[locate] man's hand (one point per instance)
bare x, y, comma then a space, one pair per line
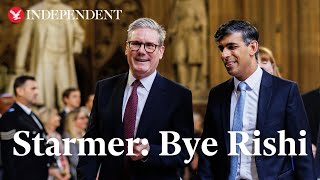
314, 150
55, 172
194, 162
137, 150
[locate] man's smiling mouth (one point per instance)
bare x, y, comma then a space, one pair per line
141, 60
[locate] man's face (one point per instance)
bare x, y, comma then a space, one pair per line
238, 58
28, 93
142, 63
74, 99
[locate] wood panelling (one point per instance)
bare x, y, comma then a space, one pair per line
309, 43
290, 28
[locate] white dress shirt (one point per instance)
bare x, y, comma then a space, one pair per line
247, 166
28, 111
142, 91
66, 110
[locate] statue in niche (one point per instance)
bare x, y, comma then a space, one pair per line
54, 43
187, 33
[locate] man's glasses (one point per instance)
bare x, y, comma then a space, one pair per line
135, 46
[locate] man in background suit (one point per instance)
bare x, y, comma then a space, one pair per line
311, 102
149, 101
71, 98
268, 104
6, 101
317, 158
21, 118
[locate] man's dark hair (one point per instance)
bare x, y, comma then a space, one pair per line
20, 81
88, 97
248, 31
66, 93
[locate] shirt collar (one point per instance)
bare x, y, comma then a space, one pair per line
24, 108
146, 82
67, 110
252, 80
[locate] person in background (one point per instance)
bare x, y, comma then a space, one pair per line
317, 157
89, 103
311, 102
20, 117
190, 172
6, 101
76, 124
51, 120
71, 98
267, 61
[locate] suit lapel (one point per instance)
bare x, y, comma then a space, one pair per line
226, 109
264, 99
116, 103
156, 94
39, 120
26, 118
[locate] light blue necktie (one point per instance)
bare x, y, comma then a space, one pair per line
237, 126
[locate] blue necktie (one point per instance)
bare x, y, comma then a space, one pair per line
237, 126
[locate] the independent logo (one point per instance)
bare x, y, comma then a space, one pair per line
15, 14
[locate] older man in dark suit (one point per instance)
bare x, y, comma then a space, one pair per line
139, 104
253, 100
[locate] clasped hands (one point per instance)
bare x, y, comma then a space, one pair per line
138, 150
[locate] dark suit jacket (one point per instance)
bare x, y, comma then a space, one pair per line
312, 104
22, 167
63, 115
317, 160
279, 108
168, 108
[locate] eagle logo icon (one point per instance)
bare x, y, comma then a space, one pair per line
15, 14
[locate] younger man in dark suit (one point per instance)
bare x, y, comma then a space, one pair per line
71, 98
252, 100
